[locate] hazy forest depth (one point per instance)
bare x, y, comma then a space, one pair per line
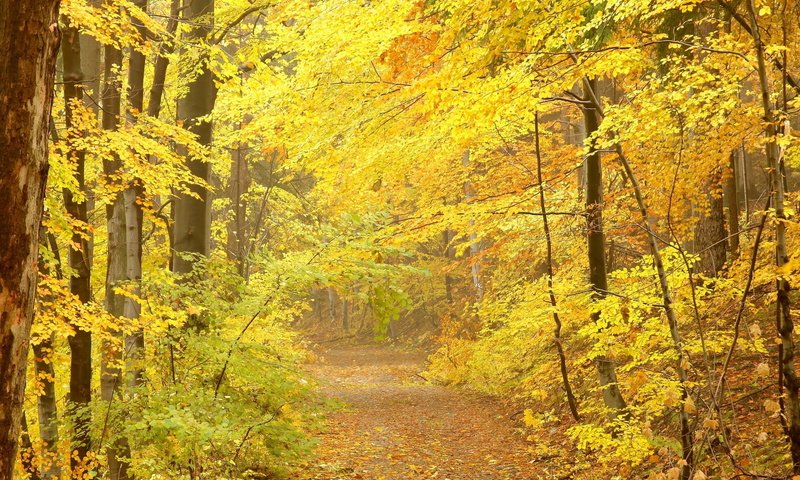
399, 239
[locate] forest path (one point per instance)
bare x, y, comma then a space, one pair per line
395, 426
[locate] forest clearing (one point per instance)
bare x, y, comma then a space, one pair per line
399, 239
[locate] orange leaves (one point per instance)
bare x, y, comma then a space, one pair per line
410, 56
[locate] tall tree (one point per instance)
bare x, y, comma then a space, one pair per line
162, 62
133, 196
789, 382
596, 244
45, 373
80, 343
117, 451
710, 234
192, 219
732, 200
28, 45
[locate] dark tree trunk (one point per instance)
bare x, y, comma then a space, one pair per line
789, 382
28, 46
91, 66
732, 200
596, 241
710, 237
80, 382
162, 62
47, 407
238, 186
192, 223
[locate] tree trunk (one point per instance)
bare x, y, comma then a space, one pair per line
28, 46
345, 316
238, 186
332, 306
133, 196
27, 452
47, 406
449, 254
192, 225
596, 242
732, 200
687, 440
784, 324
80, 344
45, 373
475, 246
91, 65
117, 451
162, 62
710, 237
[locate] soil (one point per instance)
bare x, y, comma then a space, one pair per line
394, 425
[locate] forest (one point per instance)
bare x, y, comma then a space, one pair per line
399, 239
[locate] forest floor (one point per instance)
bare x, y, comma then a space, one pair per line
393, 425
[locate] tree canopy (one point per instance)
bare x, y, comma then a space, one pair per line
586, 209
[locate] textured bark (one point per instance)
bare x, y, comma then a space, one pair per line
117, 452
596, 243
238, 186
28, 45
789, 382
710, 236
192, 222
134, 343
91, 66
732, 201
80, 344
162, 62
45, 374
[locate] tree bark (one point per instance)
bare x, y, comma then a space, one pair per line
238, 186
29, 39
117, 451
789, 380
162, 62
732, 200
192, 223
91, 66
133, 196
596, 243
80, 343
710, 235
47, 406
45, 373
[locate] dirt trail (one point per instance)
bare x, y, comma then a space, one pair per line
394, 426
